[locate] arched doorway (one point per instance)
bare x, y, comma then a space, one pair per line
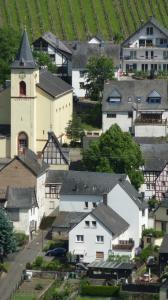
22, 142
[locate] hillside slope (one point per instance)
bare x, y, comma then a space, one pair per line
80, 19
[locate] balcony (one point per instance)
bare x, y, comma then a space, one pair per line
124, 245
152, 121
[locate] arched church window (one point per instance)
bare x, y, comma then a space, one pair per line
22, 142
22, 88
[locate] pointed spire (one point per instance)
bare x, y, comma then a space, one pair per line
24, 58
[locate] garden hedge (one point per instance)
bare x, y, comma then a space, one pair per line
104, 291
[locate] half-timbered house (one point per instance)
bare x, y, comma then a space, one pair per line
54, 155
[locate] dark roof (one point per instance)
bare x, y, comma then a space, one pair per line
152, 21
155, 156
82, 51
4, 161
89, 183
64, 152
55, 176
110, 219
117, 265
68, 219
52, 40
32, 162
21, 198
150, 140
133, 193
164, 245
53, 85
24, 58
134, 94
163, 203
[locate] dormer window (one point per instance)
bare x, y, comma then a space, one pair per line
115, 97
154, 97
149, 30
22, 88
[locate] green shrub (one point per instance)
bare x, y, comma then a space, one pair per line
38, 261
51, 265
39, 286
21, 238
101, 291
153, 232
148, 251
3, 268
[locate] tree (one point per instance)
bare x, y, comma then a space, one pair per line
7, 240
74, 129
8, 48
115, 151
99, 69
43, 59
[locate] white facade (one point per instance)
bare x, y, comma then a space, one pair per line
152, 130
123, 204
78, 81
123, 119
146, 50
27, 217
96, 241
79, 203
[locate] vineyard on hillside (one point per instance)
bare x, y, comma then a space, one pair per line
80, 19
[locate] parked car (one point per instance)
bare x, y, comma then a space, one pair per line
59, 252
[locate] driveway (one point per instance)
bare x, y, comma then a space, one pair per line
9, 283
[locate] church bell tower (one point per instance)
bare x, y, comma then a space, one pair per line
24, 77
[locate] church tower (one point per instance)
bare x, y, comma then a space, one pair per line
24, 77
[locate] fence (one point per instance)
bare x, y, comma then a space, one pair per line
141, 288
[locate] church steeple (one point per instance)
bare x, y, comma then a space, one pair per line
24, 58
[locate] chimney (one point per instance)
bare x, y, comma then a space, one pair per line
105, 199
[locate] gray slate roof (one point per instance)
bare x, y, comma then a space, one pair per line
133, 193
82, 51
53, 85
155, 156
110, 265
67, 220
32, 162
164, 245
24, 58
134, 90
21, 198
110, 219
89, 183
150, 21
55, 176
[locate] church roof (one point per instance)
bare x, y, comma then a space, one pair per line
24, 58
52, 84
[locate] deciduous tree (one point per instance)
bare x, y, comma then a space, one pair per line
7, 240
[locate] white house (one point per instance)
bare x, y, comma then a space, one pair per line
146, 49
93, 237
81, 52
23, 210
58, 51
138, 107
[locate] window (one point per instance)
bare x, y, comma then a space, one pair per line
22, 142
100, 239
109, 115
166, 211
148, 186
114, 99
52, 191
143, 213
87, 223
94, 223
99, 255
132, 54
149, 30
86, 205
94, 204
163, 183
22, 88
163, 195
130, 114
167, 173
148, 239
81, 84
80, 238
52, 205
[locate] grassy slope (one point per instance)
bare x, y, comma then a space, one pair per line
78, 19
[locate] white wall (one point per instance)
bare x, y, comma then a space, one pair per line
89, 247
25, 217
40, 194
77, 202
120, 202
150, 130
76, 79
121, 119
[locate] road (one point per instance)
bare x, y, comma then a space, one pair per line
28, 254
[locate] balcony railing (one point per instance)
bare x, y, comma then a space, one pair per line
150, 121
124, 245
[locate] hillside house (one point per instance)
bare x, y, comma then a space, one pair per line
59, 53
98, 234
161, 216
146, 49
138, 107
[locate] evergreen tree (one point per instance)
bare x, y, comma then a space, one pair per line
74, 129
7, 240
115, 151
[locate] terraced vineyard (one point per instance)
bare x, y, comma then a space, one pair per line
80, 19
